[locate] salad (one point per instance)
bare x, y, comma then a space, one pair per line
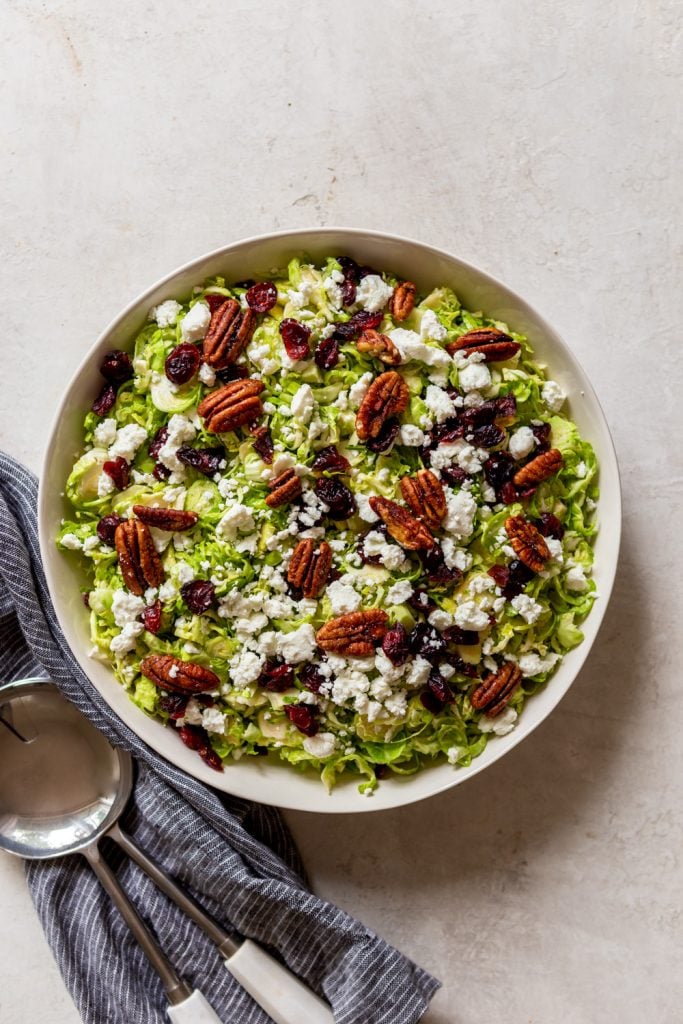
331, 519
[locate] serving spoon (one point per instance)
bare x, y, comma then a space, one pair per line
63, 788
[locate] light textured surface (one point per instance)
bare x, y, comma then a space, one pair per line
536, 140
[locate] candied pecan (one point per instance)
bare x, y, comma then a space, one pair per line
528, 543
140, 564
308, 568
229, 333
402, 302
231, 406
494, 345
283, 489
355, 634
380, 346
171, 519
541, 468
496, 689
402, 524
387, 396
179, 676
424, 494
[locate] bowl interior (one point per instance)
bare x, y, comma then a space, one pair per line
260, 778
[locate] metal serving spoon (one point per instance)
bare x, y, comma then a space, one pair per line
63, 787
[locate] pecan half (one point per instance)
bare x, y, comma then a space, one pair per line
410, 533
424, 494
494, 692
231, 406
229, 333
308, 568
387, 396
380, 346
140, 564
494, 345
529, 545
541, 468
179, 676
283, 489
402, 301
356, 634
171, 519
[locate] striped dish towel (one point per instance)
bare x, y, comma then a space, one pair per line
236, 858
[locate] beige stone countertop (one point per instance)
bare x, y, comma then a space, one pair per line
535, 140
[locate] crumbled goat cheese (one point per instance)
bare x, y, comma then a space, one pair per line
343, 598
418, 672
297, 646
180, 431
193, 713
501, 725
533, 665
213, 720
322, 745
195, 324
411, 346
299, 297
184, 573
411, 436
237, 518
581, 470
469, 615
373, 294
440, 619
105, 433
525, 606
521, 442
245, 668
165, 313
125, 641
400, 592
333, 289
461, 510
390, 555
553, 395
90, 544
128, 440
474, 377
303, 404
455, 557
126, 607
207, 375
72, 542
431, 327
555, 548
358, 390
439, 403
575, 578
260, 356
364, 511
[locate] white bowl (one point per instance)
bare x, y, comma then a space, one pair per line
258, 778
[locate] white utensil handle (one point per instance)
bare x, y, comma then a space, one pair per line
193, 1010
286, 999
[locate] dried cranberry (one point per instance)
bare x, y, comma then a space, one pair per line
500, 574
385, 439
329, 460
541, 432
118, 470
479, 415
448, 431
436, 569
295, 337
420, 601
488, 436
85, 598
204, 460
511, 578
198, 595
106, 528
276, 676
247, 283
431, 702
550, 526
351, 278
158, 441
311, 677
105, 400
327, 353
182, 363
174, 705
263, 445
499, 468
454, 475
214, 301
366, 271
380, 770
427, 642
508, 493
360, 321
464, 637
440, 688
395, 644
236, 371
210, 757
262, 297
464, 668
506, 408
151, 617
161, 472
338, 498
303, 717
197, 739
116, 367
